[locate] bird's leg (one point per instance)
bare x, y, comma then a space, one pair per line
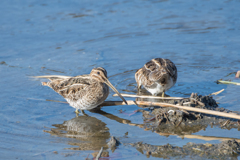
139, 89
163, 94
77, 112
81, 112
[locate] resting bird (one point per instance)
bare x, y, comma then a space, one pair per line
157, 76
83, 92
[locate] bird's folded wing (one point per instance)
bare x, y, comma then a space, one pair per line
73, 88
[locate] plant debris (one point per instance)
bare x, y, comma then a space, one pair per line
169, 120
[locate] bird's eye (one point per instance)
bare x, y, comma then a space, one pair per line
98, 73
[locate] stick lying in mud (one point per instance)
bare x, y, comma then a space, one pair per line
157, 97
205, 111
99, 153
206, 138
146, 96
216, 93
227, 82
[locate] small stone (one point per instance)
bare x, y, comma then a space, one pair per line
113, 142
3, 63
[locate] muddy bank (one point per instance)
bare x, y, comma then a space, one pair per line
176, 121
224, 150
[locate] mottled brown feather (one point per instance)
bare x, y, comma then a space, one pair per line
156, 71
73, 88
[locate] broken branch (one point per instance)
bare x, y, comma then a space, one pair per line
228, 82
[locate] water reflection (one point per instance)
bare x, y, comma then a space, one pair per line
110, 116
91, 132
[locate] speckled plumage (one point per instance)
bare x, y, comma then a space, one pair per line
82, 92
157, 75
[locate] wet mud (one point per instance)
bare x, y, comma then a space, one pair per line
224, 150
169, 120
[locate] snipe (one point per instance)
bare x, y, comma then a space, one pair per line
157, 76
83, 92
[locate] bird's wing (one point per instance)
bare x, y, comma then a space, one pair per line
152, 71
73, 88
158, 68
171, 68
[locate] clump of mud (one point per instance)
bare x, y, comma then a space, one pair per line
175, 121
224, 150
113, 143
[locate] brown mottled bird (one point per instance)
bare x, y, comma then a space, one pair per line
157, 76
82, 92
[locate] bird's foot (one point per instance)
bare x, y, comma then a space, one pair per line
77, 111
81, 112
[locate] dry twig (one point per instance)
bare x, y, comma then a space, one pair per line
205, 111
99, 153
216, 93
228, 82
200, 103
146, 96
225, 123
179, 123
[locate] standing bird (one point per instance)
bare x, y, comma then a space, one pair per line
83, 92
157, 76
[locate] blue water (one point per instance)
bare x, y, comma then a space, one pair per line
71, 37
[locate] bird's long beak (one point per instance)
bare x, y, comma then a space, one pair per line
115, 90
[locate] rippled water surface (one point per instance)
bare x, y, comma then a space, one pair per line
71, 37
